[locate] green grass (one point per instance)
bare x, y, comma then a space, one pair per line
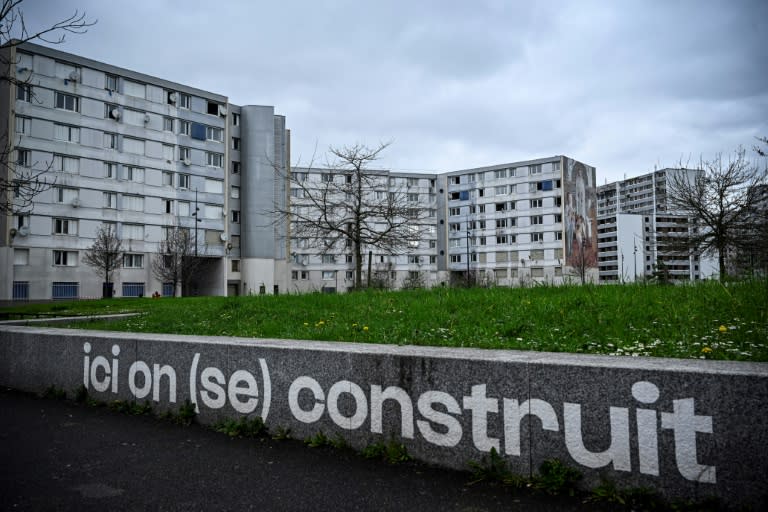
707, 320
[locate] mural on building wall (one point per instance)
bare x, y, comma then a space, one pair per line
580, 214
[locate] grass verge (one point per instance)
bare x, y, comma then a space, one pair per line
706, 320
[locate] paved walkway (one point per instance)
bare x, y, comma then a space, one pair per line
57, 455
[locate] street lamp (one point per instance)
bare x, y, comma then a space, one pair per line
468, 234
196, 215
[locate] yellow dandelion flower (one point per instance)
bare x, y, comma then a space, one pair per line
723, 328
306, 324
365, 328
706, 350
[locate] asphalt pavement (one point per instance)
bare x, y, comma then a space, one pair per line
59, 455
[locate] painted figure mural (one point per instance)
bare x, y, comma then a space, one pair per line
580, 215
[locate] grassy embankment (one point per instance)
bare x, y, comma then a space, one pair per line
706, 320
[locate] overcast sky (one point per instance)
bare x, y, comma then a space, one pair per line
623, 86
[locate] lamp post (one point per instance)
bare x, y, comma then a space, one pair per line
468, 233
196, 215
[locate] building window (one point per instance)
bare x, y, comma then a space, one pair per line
235, 192
134, 89
110, 200
555, 166
111, 111
167, 178
66, 164
185, 101
185, 128
135, 174
537, 219
213, 211
66, 133
500, 191
67, 102
183, 208
558, 235
24, 93
110, 140
184, 181
537, 237
23, 157
454, 211
168, 124
110, 83
501, 240
215, 159
133, 289
329, 275
455, 258
215, 134
235, 265
133, 231
235, 167
185, 154
133, 260
534, 169
558, 218
133, 203
214, 186
235, 119
23, 125
64, 226
236, 216
328, 258
65, 290
500, 174
236, 143
135, 146
65, 258
65, 194
21, 257
537, 203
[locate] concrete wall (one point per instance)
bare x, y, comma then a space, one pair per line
688, 428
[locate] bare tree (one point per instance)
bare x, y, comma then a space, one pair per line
352, 208
105, 255
21, 180
719, 201
177, 260
581, 263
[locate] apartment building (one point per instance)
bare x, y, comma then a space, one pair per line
637, 231
141, 154
327, 263
515, 224
145, 155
